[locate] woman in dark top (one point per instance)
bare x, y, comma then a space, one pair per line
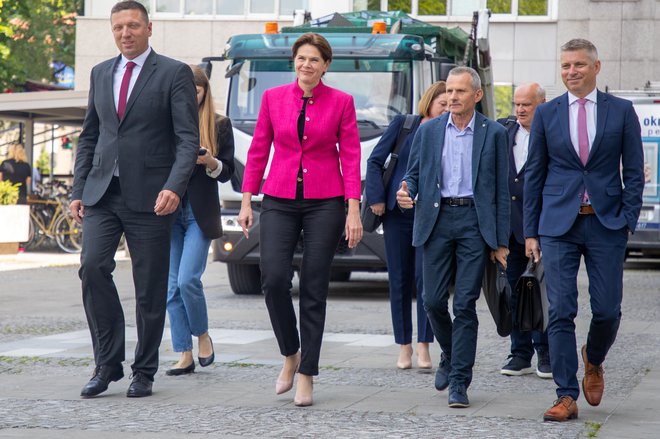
197, 223
17, 170
404, 262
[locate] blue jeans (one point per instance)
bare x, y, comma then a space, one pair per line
186, 305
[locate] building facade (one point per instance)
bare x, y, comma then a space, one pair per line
525, 35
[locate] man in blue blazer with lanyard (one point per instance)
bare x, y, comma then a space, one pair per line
583, 195
523, 343
136, 151
457, 177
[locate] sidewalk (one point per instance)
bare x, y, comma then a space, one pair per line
26, 260
358, 393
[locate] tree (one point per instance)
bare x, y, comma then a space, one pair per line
35, 36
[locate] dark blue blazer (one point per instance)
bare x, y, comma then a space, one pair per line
376, 191
556, 179
490, 169
516, 182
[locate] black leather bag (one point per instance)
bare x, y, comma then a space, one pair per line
370, 221
532, 310
497, 292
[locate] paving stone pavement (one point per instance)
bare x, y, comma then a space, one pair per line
45, 358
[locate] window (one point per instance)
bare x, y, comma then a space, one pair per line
288, 6
262, 6
199, 7
229, 7
461, 8
167, 5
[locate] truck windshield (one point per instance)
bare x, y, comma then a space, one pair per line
381, 89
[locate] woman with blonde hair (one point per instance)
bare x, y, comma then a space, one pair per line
404, 262
196, 224
17, 170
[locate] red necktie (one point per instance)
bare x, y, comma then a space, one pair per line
123, 90
583, 137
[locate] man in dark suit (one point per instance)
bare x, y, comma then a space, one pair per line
457, 176
136, 152
583, 195
523, 343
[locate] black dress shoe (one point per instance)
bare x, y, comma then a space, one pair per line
176, 371
207, 361
103, 375
140, 386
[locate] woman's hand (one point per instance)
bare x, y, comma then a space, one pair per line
378, 209
245, 218
353, 228
207, 159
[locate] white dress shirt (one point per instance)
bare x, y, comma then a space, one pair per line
521, 147
590, 107
119, 74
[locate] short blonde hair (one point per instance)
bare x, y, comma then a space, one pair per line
17, 152
435, 90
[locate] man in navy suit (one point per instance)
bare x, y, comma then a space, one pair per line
583, 195
136, 151
457, 177
523, 343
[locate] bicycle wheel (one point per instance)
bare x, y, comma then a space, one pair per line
36, 236
68, 234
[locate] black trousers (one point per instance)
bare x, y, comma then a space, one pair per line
148, 238
322, 222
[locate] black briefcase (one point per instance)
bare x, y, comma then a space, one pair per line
497, 292
370, 221
532, 310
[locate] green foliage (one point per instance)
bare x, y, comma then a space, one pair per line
503, 100
8, 192
499, 6
33, 35
525, 7
43, 162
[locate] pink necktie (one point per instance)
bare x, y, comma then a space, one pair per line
123, 90
583, 138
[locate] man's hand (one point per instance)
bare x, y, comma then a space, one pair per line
166, 203
500, 255
403, 197
377, 209
77, 211
532, 249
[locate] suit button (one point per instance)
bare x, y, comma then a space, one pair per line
586, 172
514, 198
304, 137
438, 184
311, 102
435, 204
516, 180
307, 119
305, 171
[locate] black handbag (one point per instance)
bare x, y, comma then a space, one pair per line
497, 292
532, 309
370, 221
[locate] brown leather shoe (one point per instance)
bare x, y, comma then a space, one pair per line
563, 409
593, 382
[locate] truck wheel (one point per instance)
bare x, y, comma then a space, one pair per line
340, 276
244, 279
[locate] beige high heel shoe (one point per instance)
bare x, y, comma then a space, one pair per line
283, 386
405, 357
423, 356
304, 400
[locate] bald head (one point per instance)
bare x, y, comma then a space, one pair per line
525, 99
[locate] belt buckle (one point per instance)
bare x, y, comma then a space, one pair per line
454, 202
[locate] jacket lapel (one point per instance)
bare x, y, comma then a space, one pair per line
601, 118
107, 79
563, 117
147, 70
440, 128
480, 128
512, 142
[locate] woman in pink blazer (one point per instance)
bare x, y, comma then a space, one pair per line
315, 169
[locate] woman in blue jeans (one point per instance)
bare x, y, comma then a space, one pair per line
404, 262
197, 223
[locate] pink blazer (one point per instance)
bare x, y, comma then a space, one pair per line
328, 170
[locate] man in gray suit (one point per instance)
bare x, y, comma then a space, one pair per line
457, 176
136, 152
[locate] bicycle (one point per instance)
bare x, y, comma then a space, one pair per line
49, 218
